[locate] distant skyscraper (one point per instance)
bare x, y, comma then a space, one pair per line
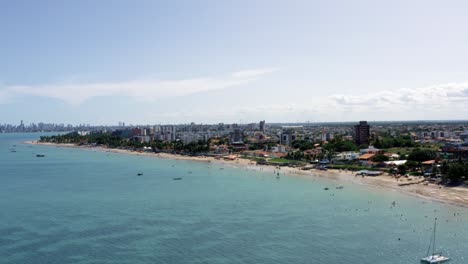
236, 135
262, 126
362, 133
287, 137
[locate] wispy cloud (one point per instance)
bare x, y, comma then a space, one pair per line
253, 73
445, 95
77, 93
437, 101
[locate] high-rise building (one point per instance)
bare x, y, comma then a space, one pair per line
362, 133
262, 125
287, 137
236, 135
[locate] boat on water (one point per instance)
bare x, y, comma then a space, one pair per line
177, 179
40, 155
434, 257
140, 174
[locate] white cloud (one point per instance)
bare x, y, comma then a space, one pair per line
446, 101
437, 95
253, 73
77, 93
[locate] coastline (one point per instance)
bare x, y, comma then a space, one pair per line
452, 195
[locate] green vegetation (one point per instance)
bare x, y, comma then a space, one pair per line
95, 138
279, 160
339, 145
402, 169
351, 167
408, 150
455, 173
285, 162
400, 151
116, 141
296, 155
380, 158
420, 155
394, 142
302, 145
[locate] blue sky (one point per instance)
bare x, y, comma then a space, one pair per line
149, 62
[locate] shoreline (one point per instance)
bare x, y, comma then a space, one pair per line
451, 195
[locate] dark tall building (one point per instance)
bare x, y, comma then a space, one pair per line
287, 137
262, 126
362, 133
236, 135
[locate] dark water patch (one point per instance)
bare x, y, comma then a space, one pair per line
4, 232
104, 231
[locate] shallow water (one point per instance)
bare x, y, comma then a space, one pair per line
84, 206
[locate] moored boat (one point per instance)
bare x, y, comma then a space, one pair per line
434, 257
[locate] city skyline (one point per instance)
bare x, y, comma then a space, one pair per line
181, 62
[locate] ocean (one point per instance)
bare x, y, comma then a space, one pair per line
87, 206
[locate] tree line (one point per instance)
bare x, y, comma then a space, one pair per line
115, 141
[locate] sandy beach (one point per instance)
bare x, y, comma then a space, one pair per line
453, 195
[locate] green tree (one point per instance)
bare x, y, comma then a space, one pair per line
456, 172
411, 164
421, 155
339, 145
402, 169
380, 158
302, 145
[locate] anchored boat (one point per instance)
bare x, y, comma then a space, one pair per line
435, 257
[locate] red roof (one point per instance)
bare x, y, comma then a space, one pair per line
367, 156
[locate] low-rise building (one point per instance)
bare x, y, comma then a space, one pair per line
366, 159
347, 155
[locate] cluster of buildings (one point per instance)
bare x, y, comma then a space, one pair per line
255, 139
33, 127
46, 127
278, 139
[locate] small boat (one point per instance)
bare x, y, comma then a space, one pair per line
40, 155
177, 179
339, 187
326, 188
435, 257
140, 173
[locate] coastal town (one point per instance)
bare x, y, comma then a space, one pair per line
436, 152
207, 132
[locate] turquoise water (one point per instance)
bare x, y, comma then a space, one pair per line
84, 206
